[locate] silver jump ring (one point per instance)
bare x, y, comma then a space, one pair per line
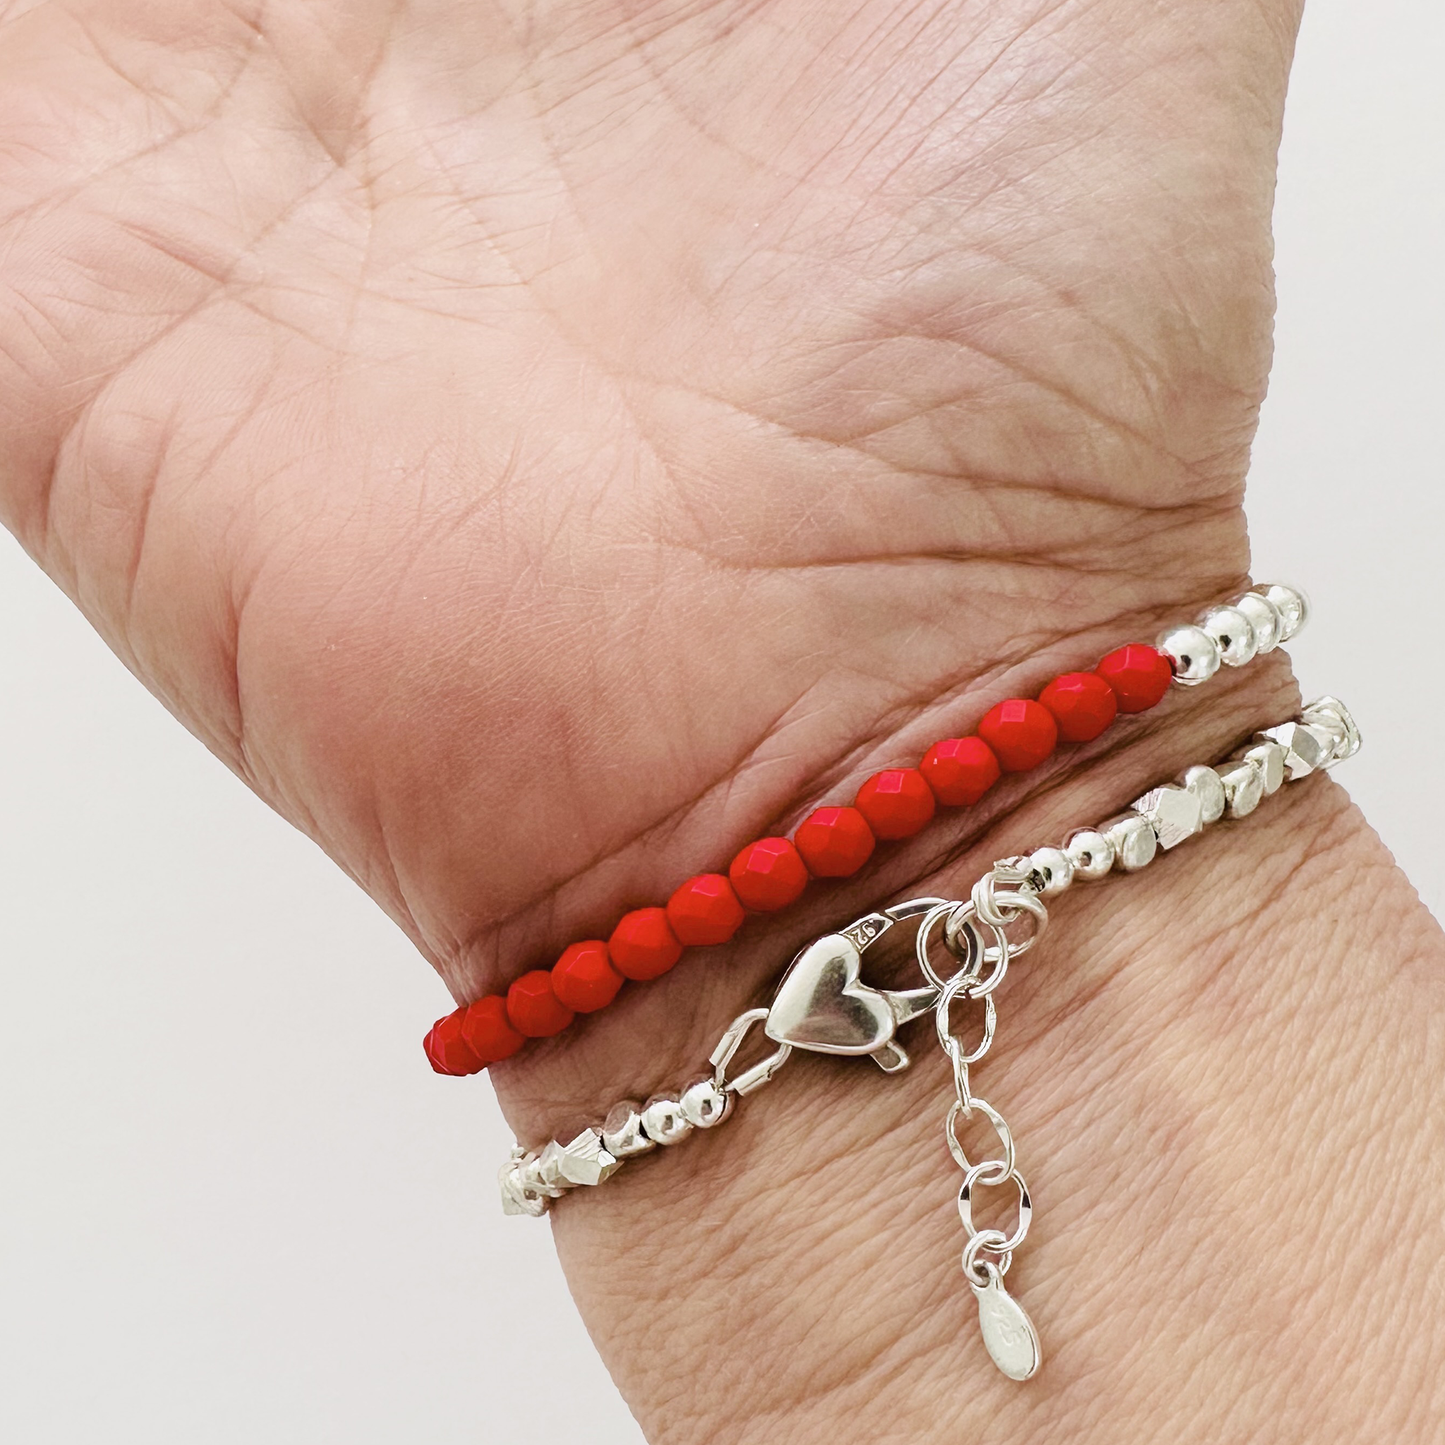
967, 953
958, 987
985, 1239
1009, 910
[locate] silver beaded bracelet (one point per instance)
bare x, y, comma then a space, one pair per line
823, 1006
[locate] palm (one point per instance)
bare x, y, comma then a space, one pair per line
518, 441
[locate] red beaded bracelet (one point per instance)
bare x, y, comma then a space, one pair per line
835, 842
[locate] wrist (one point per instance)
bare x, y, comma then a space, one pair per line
1175, 1029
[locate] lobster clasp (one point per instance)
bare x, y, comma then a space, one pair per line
824, 1006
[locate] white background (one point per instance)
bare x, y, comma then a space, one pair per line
235, 1206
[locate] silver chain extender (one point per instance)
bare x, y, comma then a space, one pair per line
823, 1006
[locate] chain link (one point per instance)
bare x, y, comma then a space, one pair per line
999, 902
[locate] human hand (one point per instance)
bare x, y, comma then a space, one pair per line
540, 450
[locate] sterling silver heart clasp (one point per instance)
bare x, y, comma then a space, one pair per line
824, 1006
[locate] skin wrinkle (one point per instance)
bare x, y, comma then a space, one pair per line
505, 606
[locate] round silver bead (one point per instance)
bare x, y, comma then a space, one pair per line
1264, 618
622, 1135
1050, 871
1205, 784
1191, 653
1135, 842
1091, 853
1291, 604
705, 1104
1232, 633
663, 1120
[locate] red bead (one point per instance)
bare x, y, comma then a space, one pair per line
960, 770
488, 1031
705, 910
643, 945
897, 803
447, 1051
1082, 703
1139, 676
834, 842
534, 1009
768, 874
584, 979
1021, 732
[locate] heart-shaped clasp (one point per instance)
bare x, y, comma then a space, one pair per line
824, 1006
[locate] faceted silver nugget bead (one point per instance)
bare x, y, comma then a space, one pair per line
1232, 633
1174, 813
1269, 757
1305, 748
1205, 785
1192, 654
1091, 853
1243, 787
584, 1161
516, 1197
1133, 840
622, 1134
1332, 710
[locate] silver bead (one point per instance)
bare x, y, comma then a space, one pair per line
1174, 813
1264, 618
516, 1197
584, 1160
1133, 840
1243, 787
1268, 756
1306, 747
529, 1174
1205, 785
622, 1134
1050, 871
664, 1121
1291, 604
705, 1104
548, 1170
1091, 853
1191, 653
1332, 709
1232, 633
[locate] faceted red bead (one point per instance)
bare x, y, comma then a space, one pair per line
534, 1009
488, 1031
960, 770
705, 910
768, 874
447, 1051
584, 979
1082, 703
1139, 676
897, 803
643, 945
1021, 732
834, 842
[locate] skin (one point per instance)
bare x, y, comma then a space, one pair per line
541, 448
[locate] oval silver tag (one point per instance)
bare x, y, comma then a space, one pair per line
1008, 1332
